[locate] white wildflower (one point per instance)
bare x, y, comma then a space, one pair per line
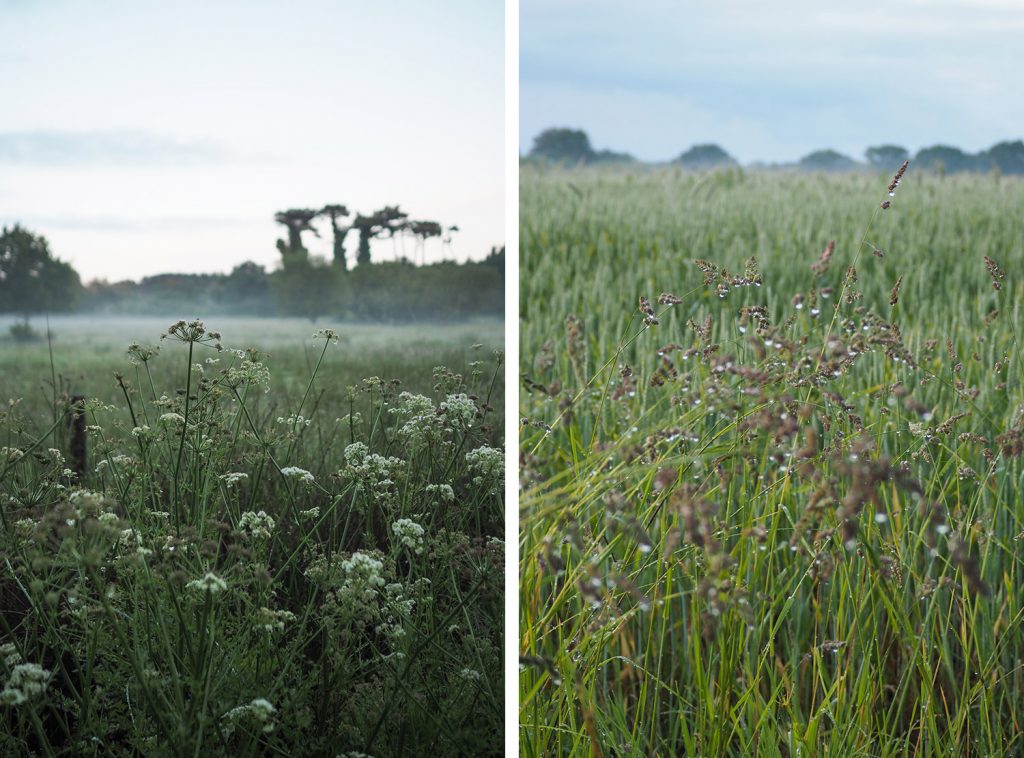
443, 491
488, 464
259, 710
258, 524
25, 681
409, 533
232, 479
459, 409
273, 621
210, 583
9, 652
294, 472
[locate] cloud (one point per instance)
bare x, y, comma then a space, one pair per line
111, 147
120, 224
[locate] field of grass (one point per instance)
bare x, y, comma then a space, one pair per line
277, 544
776, 509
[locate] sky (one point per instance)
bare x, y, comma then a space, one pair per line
772, 81
143, 138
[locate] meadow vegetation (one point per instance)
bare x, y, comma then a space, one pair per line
251, 544
771, 443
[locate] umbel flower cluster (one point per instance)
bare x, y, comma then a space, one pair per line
233, 565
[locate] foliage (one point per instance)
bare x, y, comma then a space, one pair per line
296, 221
776, 509
389, 291
31, 279
945, 159
886, 156
827, 160
703, 157
559, 145
1007, 157
256, 562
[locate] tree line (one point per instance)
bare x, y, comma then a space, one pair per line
572, 147
33, 280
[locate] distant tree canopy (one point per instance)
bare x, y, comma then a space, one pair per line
387, 222
31, 279
1008, 157
707, 156
945, 158
296, 221
570, 147
563, 146
886, 156
827, 160
391, 291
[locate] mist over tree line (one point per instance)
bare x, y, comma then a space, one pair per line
564, 146
33, 280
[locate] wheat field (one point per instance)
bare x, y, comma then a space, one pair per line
771, 464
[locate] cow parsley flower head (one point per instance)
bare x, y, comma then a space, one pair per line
326, 334
373, 474
273, 621
248, 372
459, 409
409, 533
26, 681
210, 583
488, 464
233, 479
259, 710
294, 472
258, 524
441, 491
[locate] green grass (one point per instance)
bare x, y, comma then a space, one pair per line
770, 533
276, 551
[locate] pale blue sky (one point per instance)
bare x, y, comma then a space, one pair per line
145, 137
772, 81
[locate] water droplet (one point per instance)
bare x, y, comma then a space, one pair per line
881, 518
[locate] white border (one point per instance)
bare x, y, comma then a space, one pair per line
511, 377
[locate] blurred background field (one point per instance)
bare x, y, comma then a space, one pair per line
753, 524
87, 350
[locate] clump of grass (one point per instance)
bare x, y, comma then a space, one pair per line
774, 518
246, 571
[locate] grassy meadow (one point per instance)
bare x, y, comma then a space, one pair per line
251, 541
771, 464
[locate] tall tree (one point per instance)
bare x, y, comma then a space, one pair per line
31, 279
827, 160
945, 158
385, 222
704, 157
563, 146
1008, 157
296, 221
422, 231
334, 212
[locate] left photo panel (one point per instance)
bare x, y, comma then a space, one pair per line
252, 394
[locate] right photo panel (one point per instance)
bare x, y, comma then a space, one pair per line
770, 393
